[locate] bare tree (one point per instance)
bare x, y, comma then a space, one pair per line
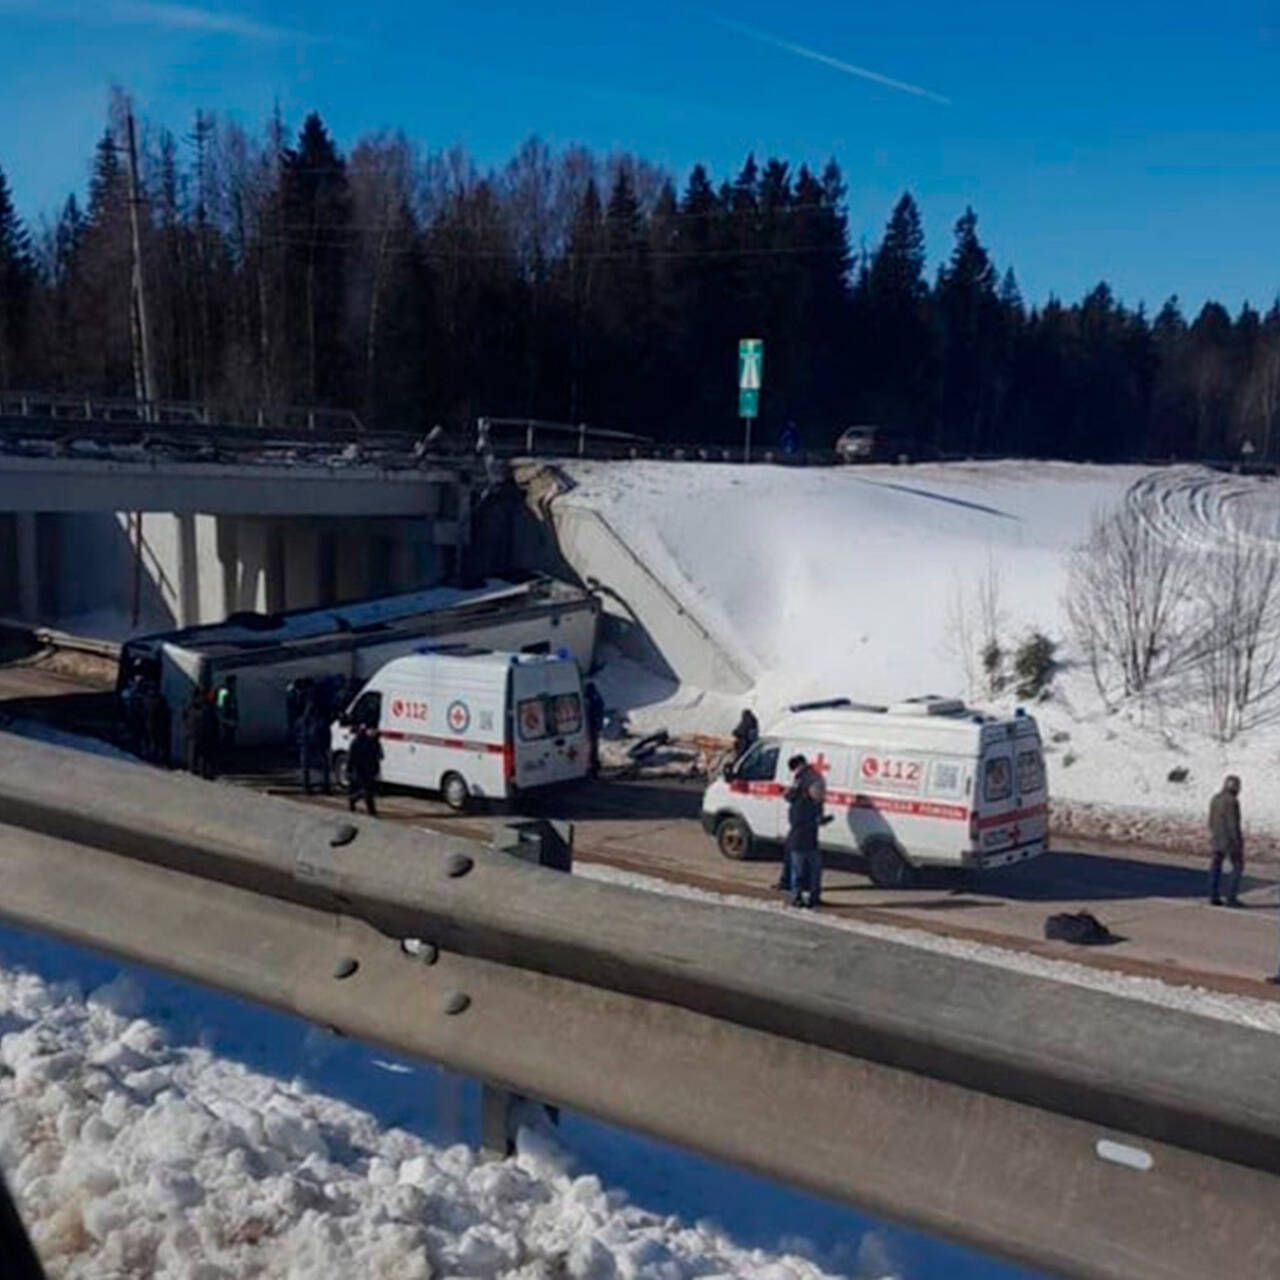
975, 620
1128, 599
383, 174
1236, 662
991, 621
1260, 398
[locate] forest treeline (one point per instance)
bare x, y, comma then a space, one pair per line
415, 288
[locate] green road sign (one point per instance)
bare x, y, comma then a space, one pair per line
750, 376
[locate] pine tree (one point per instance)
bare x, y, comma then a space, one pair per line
317, 234
101, 307
969, 311
896, 335
896, 274
17, 284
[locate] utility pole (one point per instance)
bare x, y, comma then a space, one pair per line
149, 391
143, 328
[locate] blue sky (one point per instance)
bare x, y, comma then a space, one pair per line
1138, 142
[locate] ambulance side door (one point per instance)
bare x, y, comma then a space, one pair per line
756, 790
835, 764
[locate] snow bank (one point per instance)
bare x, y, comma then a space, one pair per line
847, 581
130, 1154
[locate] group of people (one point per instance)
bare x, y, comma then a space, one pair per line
210, 719
210, 722
312, 706
146, 715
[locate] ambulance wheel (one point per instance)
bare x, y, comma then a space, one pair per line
886, 865
453, 787
733, 838
338, 768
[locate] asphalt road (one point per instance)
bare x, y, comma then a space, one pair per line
1155, 903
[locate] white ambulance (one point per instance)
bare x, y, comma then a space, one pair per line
471, 722
926, 782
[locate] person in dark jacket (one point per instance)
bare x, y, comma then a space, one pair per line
745, 734
594, 704
364, 760
1226, 841
210, 736
227, 706
313, 739
191, 715
158, 728
805, 798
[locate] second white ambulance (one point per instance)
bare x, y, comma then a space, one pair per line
467, 722
926, 782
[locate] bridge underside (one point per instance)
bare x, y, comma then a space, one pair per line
149, 544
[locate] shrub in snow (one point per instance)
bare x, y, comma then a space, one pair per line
1034, 665
993, 666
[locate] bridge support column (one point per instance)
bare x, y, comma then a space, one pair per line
188, 571
28, 565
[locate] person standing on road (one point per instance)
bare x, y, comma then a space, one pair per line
745, 733
158, 728
595, 722
805, 798
1227, 841
192, 715
209, 733
364, 761
228, 708
1275, 977
313, 740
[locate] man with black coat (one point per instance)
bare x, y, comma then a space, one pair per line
364, 761
594, 704
745, 733
805, 798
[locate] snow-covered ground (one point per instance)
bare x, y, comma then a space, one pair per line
149, 1127
854, 581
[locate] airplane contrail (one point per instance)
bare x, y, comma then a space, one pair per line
802, 51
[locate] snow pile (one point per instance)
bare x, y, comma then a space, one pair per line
852, 582
132, 1155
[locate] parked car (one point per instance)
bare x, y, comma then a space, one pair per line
856, 444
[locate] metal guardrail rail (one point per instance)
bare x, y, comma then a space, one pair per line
45, 406
1081, 1133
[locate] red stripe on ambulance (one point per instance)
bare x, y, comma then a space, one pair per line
1018, 815
452, 744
